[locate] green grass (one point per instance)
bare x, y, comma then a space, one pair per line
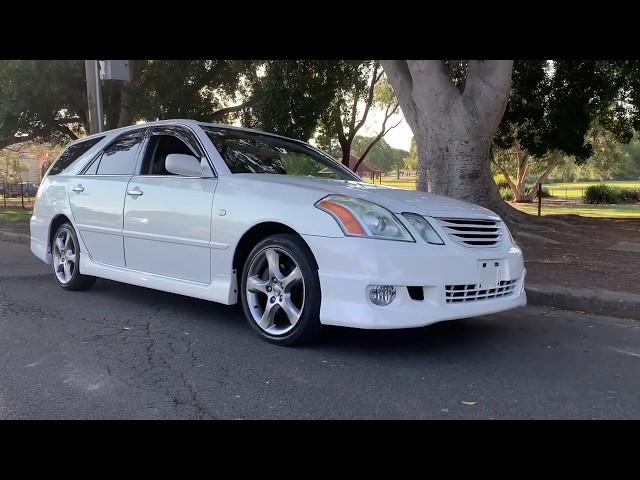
598, 211
14, 215
408, 183
571, 190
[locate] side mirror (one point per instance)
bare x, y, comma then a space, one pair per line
185, 165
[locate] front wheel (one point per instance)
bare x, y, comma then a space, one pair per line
65, 251
280, 290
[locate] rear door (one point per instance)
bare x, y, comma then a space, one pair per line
167, 217
97, 196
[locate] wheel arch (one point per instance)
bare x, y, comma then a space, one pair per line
55, 223
259, 232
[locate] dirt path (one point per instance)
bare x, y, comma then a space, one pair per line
586, 252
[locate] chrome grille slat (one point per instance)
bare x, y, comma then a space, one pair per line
469, 293
471, 232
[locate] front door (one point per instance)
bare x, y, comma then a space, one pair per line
97, 194
167, 217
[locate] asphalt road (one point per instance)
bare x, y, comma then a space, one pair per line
124, 352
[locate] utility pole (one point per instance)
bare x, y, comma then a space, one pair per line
94, 96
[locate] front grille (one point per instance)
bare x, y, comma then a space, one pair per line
470, 232
469, 293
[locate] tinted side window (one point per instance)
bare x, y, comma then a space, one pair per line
71, 154
119, 158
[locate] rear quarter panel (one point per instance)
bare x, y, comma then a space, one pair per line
52, 199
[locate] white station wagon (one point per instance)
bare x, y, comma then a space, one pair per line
236, 215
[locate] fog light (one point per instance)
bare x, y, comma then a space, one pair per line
381, 294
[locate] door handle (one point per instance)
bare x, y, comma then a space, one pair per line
78, 188
135, 192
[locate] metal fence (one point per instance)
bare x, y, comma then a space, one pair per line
565, 192
17, 194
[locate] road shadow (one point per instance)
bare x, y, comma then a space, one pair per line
444, 337
152, 299
458, 334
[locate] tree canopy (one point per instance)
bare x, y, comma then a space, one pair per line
553, 107
291, 96
46, 100
38, 98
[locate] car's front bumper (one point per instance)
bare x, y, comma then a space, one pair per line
348, 265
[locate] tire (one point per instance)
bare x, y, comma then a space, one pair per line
65, 253
271, 308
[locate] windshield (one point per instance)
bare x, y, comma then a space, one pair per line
250, 152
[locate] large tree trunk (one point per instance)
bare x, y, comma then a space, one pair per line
345, 146
453, 129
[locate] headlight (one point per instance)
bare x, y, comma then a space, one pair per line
424, 228
360, 218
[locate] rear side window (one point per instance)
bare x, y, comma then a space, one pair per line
71, 154
120, 157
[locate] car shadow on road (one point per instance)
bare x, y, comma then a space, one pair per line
454, 335
443, 336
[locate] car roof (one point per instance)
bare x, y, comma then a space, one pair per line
186, 122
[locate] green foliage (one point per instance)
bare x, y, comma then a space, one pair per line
457, 72
629, 195
554, 112
606, 194
411, 161
363, 87
293, 96
506, 193
35, 95
189, 88
601, 194
501, 181
545, 193
611, 160
629, 168
382, 155
39, 97
11, 167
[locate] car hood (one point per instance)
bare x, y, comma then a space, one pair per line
395, 199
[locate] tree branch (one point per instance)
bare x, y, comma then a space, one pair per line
342, 138
393, 126
433, 89
66, 130
383, 132
374, 79
509, 180
232, 109
547, 171
487, 89
6, 142
66, 121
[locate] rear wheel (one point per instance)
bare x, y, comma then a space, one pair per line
280, 290
65, 251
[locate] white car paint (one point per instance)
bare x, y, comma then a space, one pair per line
180, 235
